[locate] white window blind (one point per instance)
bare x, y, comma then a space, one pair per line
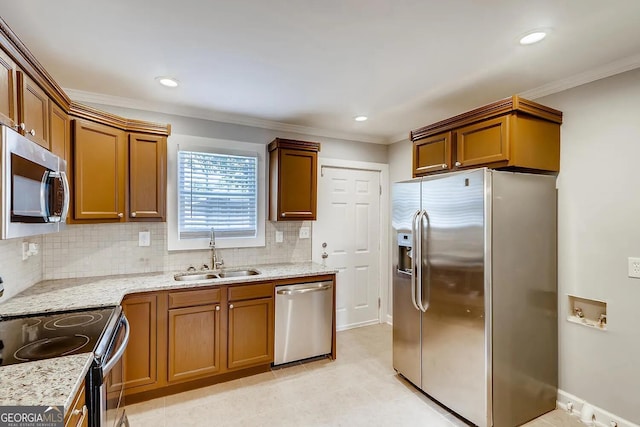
217, 190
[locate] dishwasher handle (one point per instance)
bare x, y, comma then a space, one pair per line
304, 289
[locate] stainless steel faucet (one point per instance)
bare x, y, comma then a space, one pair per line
215, 264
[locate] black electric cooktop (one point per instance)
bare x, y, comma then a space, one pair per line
43, 336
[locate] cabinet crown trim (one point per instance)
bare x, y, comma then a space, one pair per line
17, 50
82, 111
295, 144
504, 106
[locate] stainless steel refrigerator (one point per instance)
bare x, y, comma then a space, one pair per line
475, 292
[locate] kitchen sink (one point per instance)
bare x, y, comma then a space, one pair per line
186, 277
183, 277
238, 273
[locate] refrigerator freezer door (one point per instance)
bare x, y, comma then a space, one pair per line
406, 318
453, 327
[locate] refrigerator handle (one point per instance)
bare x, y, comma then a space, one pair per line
415, 250
424, 239
419, 284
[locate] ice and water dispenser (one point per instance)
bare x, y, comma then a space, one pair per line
404, 252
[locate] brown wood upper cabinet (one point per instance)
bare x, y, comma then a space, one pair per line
513, 133
147, 181
33, 110
115, 181
8, 103
100, 171
59, 133
293, 178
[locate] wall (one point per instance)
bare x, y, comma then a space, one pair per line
17, 274
598, 210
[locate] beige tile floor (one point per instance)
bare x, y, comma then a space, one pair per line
360, 388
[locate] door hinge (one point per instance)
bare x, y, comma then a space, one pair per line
379, 304
380, 189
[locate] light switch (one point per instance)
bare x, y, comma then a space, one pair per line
144, 238
279, 236
304, 233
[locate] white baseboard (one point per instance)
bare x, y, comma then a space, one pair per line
603, 418
389, 319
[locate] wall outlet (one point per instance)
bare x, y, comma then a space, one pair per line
144, 238
304, 233
634, 267
279, 237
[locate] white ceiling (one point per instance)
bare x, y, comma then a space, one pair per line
312, 65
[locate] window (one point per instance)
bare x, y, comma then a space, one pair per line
215, 187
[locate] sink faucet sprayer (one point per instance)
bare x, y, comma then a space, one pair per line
214, 257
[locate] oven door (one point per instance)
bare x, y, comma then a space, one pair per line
112, 388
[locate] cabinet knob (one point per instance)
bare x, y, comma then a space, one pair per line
230, 306
120, 215
22, 126
32, 132
444, 166
283, 214
458, 164
217, 308
133, 214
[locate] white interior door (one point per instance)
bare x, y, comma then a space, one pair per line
349, 223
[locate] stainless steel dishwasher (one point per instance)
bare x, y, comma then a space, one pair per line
303, 321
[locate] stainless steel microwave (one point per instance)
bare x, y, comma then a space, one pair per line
35, 189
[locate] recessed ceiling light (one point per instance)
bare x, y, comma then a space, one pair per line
360, 118
167, 81
533, 37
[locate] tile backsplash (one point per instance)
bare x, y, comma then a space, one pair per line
17, 274
106, 249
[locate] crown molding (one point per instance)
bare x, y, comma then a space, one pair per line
616, 67
201, 113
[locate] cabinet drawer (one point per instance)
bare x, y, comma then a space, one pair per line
238, 293
192, 298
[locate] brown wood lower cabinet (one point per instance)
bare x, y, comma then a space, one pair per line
250, 333
77, 415
194, 342
141, 357
187, 338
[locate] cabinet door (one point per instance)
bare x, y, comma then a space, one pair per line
140, 358
483, 143
432, 154
297, 194
250, 333
100, 159
59, 131
7, 90
147, 176
77, 415
194, 342
33, 110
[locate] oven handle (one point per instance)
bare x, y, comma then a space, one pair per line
119, 352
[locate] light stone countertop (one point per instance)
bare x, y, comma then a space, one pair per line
56, 381
49, 382
105, 291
